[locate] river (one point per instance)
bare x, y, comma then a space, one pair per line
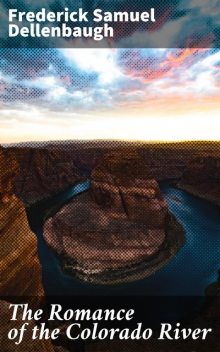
187, 274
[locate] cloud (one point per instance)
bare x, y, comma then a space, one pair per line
179, 23
108, 80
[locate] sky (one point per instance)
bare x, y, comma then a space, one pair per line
129, 94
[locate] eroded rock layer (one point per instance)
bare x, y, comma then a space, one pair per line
43, 173
202, 178
118, 231
19, 264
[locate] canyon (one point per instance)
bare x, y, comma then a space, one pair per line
120, 229
48, 168
124, 199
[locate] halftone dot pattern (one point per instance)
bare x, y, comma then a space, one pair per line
31, 71
120, 228
120, 167
176, 24
123, 219
56, 80
148, 66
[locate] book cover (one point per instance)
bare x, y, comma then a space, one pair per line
109, 176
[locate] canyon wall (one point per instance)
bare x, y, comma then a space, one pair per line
48, 170
201, 178
20, 267
19, 264
44, 173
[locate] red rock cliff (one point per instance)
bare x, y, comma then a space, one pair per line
20, 267
19, 264
43, 173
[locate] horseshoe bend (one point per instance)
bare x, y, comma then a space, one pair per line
120, 229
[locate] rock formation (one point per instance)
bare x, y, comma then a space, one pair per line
43, 173
118, 231
46, 170
19, 263
202, 178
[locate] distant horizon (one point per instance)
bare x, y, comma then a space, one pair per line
68, 141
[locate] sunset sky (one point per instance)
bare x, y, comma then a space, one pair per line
132, 94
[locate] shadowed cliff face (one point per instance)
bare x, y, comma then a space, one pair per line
118, 230
202, 178
19, 264
44, 173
